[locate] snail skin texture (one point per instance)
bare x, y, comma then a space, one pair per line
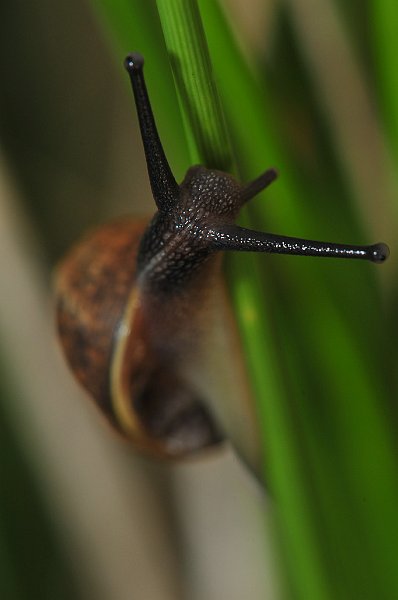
142, 312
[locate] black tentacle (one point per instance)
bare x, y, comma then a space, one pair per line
238, 238
165, 189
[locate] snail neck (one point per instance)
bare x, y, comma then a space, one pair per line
174, 255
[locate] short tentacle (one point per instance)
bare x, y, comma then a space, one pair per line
239, 238
254, 187
165, 189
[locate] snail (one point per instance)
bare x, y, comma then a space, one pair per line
137, 305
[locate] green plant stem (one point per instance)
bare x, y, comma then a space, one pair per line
192, 68
199, 101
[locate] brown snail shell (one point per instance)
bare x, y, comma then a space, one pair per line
107, 340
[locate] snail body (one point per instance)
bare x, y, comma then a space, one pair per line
141, 306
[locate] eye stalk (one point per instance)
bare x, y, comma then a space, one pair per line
164, 186
238, 238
